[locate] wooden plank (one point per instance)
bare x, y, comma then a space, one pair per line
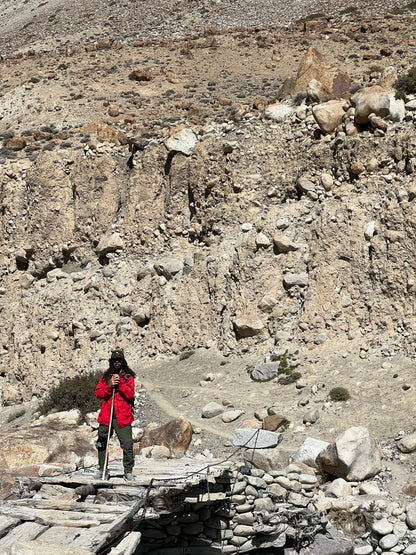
65, 505
6, 523
105, 534
24, 532
61, 534
128, 545
53, 517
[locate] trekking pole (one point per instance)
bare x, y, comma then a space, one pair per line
108, 436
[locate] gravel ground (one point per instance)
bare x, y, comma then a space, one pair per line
30, 24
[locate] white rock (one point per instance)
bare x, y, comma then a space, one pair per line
277, 112
327, 181
353, 456
369, 230
309, 450
283, 244
382, 526
69, 417
411, 105
183, 141
411, 516
338, 488
397, 109
388, 542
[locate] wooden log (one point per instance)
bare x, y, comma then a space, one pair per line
105, 535
72, 481
200, 550
128, 545
6, 524
66, 505
41, 547
63, 534
24, 532
56, 517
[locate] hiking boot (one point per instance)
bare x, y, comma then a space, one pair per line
128, 476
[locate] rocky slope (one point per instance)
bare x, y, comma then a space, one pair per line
269, 236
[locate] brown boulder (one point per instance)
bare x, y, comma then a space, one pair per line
16, 143
329, 115
314, 66
410, 489
176, 435
273, 422
104, 132
141, 75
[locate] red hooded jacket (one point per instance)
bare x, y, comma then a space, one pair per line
123, 400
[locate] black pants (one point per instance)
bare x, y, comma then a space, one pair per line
126, 443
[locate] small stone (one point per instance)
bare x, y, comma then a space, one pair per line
231, 415
407, 444
356, 168
290, 280
388, 542
369, 230
211, 410
283, 244
382, 527
327, 181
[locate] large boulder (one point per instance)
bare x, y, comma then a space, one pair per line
176, 435
109, 243
376, 100
247, 327
353, 456
314, 66
329, 115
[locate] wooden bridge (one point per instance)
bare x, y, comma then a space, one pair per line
76, 514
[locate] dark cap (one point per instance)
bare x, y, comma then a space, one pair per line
117, 355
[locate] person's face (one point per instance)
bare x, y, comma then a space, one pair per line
117, 364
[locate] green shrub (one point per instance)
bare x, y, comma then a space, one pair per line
404, 9
285, 369
286, 362
339, 394
406, 83
73, 393
310, 17
350, 10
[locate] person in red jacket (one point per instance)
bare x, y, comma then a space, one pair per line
120, 379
